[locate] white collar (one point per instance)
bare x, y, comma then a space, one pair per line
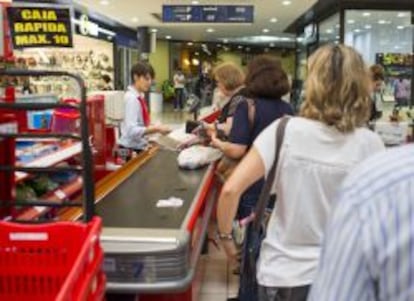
135, 91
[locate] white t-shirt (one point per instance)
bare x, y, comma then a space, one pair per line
179, 80
314, 160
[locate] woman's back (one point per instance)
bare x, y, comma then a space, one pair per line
263, 111
245, 132
314, 160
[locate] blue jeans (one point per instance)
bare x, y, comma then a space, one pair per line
248, 204
179, 98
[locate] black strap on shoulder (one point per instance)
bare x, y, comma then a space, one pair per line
267, 187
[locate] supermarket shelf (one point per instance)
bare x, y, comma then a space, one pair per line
60, 194
51, 159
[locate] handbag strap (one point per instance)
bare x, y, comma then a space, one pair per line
266, 190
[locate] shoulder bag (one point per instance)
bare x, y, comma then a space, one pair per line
255, 230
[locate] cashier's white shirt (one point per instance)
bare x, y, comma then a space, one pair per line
313, 162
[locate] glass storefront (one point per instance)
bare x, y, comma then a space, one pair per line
385, 38
329, 30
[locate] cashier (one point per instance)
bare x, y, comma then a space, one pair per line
137, 123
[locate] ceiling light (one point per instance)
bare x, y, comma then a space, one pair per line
401, 15
265, 30
190, 43
285, 39
287, 2
154, 30
210, 30
382, 22
104, 2
400, 27
273, 20
357, 30
196, 62
194, 2
366, 14
329, 30
351, 21
135, 20
368, 26
168, 37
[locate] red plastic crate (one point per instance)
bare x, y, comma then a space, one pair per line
60, 261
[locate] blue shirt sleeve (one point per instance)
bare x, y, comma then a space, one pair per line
241, 129
343, 270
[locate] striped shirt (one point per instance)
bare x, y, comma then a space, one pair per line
368, 252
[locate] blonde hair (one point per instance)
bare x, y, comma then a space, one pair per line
230, 75
337, 88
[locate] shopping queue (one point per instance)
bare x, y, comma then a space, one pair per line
310, 156
317, 150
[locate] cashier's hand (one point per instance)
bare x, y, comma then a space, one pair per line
163, 129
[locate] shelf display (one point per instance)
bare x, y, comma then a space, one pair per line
90, 58
44, 154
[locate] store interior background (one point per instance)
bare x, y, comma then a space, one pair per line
109, 35
372, 28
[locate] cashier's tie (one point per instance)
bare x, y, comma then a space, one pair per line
145, 112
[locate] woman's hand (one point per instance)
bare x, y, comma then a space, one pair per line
231, 251
216, 142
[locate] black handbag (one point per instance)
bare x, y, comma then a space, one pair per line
256, 231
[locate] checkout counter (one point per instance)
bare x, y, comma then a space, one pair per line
153, 252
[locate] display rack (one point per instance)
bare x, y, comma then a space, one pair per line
58, 198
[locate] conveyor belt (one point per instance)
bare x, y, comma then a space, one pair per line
133, 203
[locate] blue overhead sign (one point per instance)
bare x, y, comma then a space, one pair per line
207, 13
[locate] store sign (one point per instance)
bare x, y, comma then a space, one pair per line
40, 26
310, 33
395, 59
87, 27
208, 13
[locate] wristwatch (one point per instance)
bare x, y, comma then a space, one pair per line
224, 236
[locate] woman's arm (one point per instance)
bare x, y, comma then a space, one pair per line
231, 150
249, 170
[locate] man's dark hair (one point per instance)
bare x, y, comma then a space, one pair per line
266, 78
142, 69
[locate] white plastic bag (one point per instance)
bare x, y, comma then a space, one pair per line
198, 156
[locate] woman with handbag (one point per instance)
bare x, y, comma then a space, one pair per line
266, 82
318, 150
230, 83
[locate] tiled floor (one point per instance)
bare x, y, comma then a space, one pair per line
218, 283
